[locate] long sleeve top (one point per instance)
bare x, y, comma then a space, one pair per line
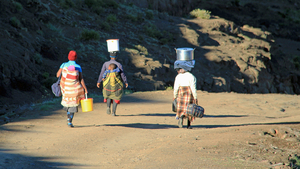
105, 67
185, 79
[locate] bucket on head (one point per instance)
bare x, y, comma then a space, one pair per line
87, 104
112, 45
185, 53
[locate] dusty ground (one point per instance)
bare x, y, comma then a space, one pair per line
237, 131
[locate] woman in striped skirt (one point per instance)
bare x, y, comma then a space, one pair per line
185, 93
72, 86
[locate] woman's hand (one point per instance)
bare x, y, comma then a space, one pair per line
98, 85
196, 101
85, 91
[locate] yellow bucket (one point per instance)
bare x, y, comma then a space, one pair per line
87, 104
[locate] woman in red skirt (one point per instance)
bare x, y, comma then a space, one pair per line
185, 93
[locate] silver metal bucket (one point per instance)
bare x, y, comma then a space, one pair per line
185, 53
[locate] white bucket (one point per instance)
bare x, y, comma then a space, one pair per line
112, 45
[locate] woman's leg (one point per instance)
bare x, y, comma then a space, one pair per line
114, 108
70, 118
188, 122
108, 111
180, 121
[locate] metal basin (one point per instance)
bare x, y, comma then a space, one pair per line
185, 53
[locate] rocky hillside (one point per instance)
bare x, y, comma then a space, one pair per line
243, 47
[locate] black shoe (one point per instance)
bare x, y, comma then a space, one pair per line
180, 121
188, 124
108, 111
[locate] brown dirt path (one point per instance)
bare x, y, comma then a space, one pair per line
235, 133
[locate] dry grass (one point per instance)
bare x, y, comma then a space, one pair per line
200, 13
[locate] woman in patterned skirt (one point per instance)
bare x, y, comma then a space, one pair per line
72, 86
185, 93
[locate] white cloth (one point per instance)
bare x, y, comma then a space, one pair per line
185, 79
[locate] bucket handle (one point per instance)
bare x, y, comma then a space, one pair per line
85, 95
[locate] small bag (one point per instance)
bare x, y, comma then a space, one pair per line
195, 110
174, 105
56, 88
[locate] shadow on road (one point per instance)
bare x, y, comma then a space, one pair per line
9, 160
153, 114
238, 125
223, 116
144, 125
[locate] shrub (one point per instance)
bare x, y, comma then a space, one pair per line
149, 15
87, 34
164, 40
38, 58
91, 3
111, 18
296, 62
131, 18
45, 75
295, 161
97, 9
67, 4
111, 3
168, 37
169, 87
141, 38
18, 6
40, 32
58, 30
140, 17
293, 15
74, 24
15, 22
152, 31
200, 13
105, 26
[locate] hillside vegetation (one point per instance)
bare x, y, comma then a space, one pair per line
244, 51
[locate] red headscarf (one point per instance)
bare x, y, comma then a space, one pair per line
72, 55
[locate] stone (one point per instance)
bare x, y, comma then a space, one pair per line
272, 131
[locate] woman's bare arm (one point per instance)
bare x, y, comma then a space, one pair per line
59, 72
82, 82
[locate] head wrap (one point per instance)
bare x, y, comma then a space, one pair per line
183, 64
72, 55
112, 54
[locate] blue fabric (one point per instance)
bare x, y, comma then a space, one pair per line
109, 71
67, 64
113, 56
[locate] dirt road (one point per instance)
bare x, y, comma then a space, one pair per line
237, 131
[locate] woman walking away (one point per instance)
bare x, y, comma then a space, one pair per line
113, 80
72, 86
184, 92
